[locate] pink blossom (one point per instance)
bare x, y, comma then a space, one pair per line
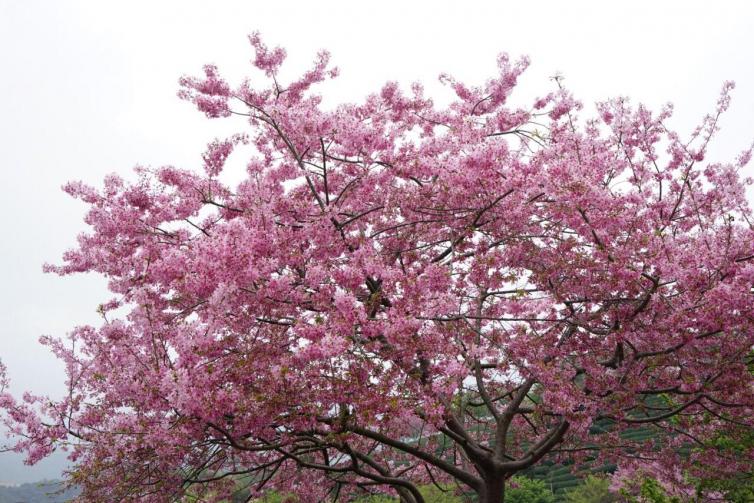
399, 293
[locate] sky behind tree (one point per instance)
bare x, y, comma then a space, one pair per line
89, 88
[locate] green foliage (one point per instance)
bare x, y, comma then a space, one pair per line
739, 488
276, 497
377, 499
593, 490
650, 491
528, 491
431, 493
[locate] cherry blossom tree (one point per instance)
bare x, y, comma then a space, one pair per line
400, 294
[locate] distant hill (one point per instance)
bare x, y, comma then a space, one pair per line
39, 492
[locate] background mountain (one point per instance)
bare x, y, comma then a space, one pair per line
39, 492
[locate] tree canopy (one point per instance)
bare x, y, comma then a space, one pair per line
401, 294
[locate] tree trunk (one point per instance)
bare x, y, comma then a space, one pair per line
493, 491
405, 497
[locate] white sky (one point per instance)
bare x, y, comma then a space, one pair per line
88, 88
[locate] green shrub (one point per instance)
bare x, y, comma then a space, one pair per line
593, 490
528, 490
431, 493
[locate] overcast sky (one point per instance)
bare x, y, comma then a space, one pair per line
88, 88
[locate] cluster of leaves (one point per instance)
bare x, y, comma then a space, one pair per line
737, 487
593, 489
